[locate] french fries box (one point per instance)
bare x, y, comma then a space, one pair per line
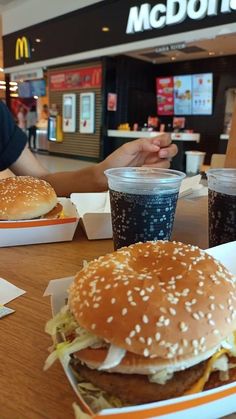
95, 213
211, 404
41, 230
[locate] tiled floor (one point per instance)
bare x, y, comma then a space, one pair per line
58, 164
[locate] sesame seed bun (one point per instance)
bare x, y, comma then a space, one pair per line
164, 301
25, 198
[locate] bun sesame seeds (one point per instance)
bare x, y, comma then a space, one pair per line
25, 197
161, 299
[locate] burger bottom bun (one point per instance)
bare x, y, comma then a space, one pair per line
136, 389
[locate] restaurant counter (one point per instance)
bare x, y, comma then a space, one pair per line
223, 143
27, 392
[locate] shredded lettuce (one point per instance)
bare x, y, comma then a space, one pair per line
63, 321
65, 324
96, 398
79, 414
63, 350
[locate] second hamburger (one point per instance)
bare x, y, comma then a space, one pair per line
27, 198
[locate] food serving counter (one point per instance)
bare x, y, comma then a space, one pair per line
223, 143
175, 136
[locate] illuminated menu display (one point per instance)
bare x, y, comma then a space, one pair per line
202, 94
183, 95
165, 95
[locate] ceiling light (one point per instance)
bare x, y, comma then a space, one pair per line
1, 69
38, 40
211, 53
173, 58
105, 29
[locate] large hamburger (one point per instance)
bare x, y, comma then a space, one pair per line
149, 322
26, 198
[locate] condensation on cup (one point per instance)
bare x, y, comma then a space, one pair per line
221, 206
143, 202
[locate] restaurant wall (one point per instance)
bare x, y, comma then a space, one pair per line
134, 82
85, 146
224, 77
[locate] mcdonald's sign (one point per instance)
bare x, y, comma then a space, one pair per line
22, 48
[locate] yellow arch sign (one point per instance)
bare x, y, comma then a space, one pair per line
22, 48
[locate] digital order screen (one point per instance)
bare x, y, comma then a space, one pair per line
202, 94
183, 95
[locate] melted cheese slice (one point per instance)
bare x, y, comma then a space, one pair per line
62, 215
199, 385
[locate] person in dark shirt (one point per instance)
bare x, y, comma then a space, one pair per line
15, 155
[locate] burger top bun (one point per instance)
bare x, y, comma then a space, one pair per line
160, 299
25, 197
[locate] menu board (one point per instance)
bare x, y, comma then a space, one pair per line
183, 95
32, 88
202, 94
165, 95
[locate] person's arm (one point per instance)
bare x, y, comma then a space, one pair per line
64, 183
152, 152
155, 152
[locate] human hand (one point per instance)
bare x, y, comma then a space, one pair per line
155, 152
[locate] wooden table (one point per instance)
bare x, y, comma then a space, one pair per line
26, 392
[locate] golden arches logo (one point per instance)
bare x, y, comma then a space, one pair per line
22, 48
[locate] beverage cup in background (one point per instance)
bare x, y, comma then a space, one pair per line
194, 160
143, 202
221, 206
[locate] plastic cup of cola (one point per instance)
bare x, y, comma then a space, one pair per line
143, 203
221, 205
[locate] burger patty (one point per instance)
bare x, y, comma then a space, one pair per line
215, 381
137, 389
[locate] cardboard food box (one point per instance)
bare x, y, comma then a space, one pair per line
95, 213
209, 404
42, 230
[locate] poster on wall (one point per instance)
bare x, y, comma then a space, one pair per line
202, 94
112, 102
87, 113
165, 95
183, 95
82, 78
